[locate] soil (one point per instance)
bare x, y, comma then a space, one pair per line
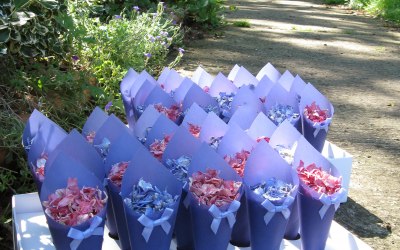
351, 58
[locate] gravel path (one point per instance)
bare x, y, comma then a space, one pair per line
355, 61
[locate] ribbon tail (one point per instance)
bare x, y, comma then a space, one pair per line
323, 210
166, 227
215, 225
268, 216
146, 233
286, 213
316, 131
75, 244
231, 220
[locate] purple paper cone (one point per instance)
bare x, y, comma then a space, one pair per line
197, 95
267, 220
286, 80
202, 78
244, 77
246, 97
171, 81
212, 127
195, 115
181, 91
234, 71
285, 135
110, 131
94, 121
141, 79
297, 87
62, 168
158, 95
279, 95
122, 150
146, 122
46, 140
174, 150
125, 89
234, 141
316, 210
243, 117
162, 127
141, 96
77, 148
164, 75
221, 84
202, 218
144, 166
270, 71
262, 126
263, 88
315, 133
36, 119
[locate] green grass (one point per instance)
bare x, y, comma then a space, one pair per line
387, 9
242, 24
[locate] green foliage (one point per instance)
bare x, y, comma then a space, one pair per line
138, 40
28, 28
387, 9
335, 1
241, 23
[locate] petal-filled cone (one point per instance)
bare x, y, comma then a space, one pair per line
125, 88
144, 166
314, 228
315, 133
46, 140
122, 150
263, 164
62, 168
261, 127
221, 84
270, 71
202, 219
94, 121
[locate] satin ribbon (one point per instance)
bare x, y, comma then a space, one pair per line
149, 224
327, 201
78, 235
218, 215
272, 209
318, 126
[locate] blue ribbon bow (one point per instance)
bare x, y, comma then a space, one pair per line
218, 215
272, 209
78, 235
321, 125
327, 201
149, 224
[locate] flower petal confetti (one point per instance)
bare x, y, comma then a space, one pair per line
173, 112
315, 114
147, 199
238, 161
117, 172
318, 179
72, 206
274, 190
209, 189
194, 129
179, 167
214, 142
140, 109
90, 136
286, 153
279, 112
103, 147
263, 138
158, 147
40, 166
225, 103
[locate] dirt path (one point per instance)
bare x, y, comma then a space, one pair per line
355, 61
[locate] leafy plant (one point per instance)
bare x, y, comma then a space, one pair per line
29, 28
241, 23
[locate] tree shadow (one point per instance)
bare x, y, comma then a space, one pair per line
358, 220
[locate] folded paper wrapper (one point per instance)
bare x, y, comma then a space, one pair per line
31, 231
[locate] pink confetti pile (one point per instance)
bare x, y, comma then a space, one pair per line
318, 179
90, 136
238, 161
209, 189
40, 163
261, 138
72, 206
315, 114
117, 172
194, 129
172, 113
158, 147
